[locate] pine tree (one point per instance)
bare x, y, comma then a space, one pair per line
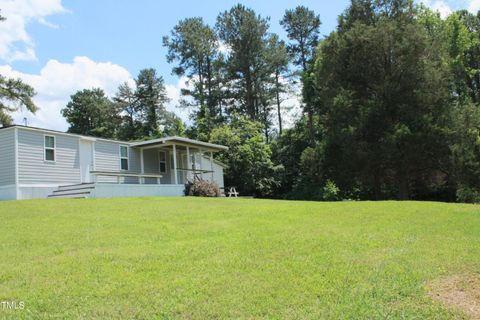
303, 28
151, 96
194, 47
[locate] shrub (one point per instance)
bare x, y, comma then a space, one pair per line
468, 195
202, 188
330, 191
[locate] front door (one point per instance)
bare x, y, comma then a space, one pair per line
86, 160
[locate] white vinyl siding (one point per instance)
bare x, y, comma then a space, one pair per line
107, 158
151, 165
32, 167
7, 157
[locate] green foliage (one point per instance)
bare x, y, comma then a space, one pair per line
134, 114
303, 28
286, 153
127, 108
372, 93
193, 45
202, 188
151, 97
308, 183
330, 191
248, 70
463, 40
466, 145
468, 195
14, 94
248, 158
173, 126
142, 110
89, 112
277, 56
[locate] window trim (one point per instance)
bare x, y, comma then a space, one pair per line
45, 148
164, 161
122, 158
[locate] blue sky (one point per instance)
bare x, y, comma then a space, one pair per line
129, 33
59, 47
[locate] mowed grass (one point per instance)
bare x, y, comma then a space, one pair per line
190, 258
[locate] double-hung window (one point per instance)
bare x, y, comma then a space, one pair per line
162, 159
49, 145
124, 158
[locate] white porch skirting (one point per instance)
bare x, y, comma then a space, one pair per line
8, 192
137, 190
100, 190
26, 191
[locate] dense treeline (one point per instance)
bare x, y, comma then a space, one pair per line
394, 95
390, 101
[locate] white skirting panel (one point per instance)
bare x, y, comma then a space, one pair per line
8, 192
26, 192
137, 190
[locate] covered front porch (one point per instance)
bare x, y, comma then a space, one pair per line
166, 161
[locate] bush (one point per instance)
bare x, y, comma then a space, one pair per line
468, 195
202, 188
330, 191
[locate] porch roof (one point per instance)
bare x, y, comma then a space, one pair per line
179, 141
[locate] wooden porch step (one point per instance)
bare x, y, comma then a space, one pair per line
74, 191
77, 186
69, 191
75, 195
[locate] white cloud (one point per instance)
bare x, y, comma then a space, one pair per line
57, 81
224, 48
291, 108
439, 6
442, 8
446, 7
15, 43
474, 6
174, 93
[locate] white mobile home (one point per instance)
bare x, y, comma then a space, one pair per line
41, 163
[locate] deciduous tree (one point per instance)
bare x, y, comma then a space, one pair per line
91, 112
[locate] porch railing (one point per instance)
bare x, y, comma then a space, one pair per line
141, 176
196, 174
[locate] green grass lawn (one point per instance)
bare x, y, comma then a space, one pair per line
190, 258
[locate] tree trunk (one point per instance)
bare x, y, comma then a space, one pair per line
265, 120
278, 102
200, 81
310, 126
377, 185
210, 102
403, 185
249, 100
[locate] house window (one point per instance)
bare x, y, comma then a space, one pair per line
162, 159
124, 158
49, 148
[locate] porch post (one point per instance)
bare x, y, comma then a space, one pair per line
175, 163
211, 163
142, 167
189, 165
